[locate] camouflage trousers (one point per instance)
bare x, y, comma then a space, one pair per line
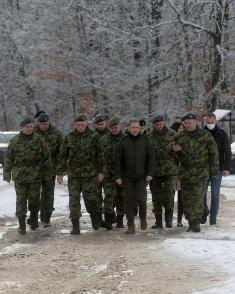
114, 197
193, 195
100, 197
162, 190
47, 196
27, 194
88, 188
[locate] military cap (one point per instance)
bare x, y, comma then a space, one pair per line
157, 118
80, 117
113, 121
189, 115
27, 120
43, 117
99, 118
142, 122
38, 113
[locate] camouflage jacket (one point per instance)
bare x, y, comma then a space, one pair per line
27, 159
102, 133
54, 139
79, 155
199, 155
108, 147
165, 162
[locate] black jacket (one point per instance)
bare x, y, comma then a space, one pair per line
135, 157
224, 148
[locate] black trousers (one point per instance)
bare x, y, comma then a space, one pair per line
135, 194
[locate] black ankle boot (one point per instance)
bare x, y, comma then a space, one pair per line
168, 218
108, 221
47, 220
22, 225
120, 222
196, 226
158, 223
95, 221
190, 226
33, 220
76, 226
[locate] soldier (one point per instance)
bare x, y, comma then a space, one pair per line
143, 127
54, 139
101, 128
225, 154
165, 168
198, 156
135, 167
27, 161
79, 159
113, 192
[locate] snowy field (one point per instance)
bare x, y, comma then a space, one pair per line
215, 245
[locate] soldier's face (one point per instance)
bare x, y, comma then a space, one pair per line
142, 129
134, 128
115, 130
190, 124
159, 126
80, 126
43, 126
101, 125
28, 129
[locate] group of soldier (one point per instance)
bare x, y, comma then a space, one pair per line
121, 164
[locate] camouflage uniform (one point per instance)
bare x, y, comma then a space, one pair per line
113, 192
198, 161
54, 139
100, 185
165, 168
27, 160
79, 159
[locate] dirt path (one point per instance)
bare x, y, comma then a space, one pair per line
52, 261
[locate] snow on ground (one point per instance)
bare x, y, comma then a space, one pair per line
8, 199
215, 245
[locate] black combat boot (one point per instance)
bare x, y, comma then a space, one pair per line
204, 217
108, 221
196, 226
33, 220
95, 221
120, 222
143, 223
22, 225
158, 223
212, 221
168, 218
131, 229
76, 226
190, 226
101, 221
47, 219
